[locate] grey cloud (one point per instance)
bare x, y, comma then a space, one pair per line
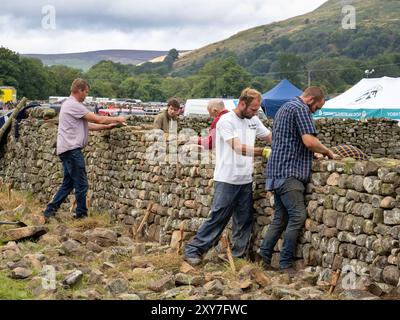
127, 15
83, 25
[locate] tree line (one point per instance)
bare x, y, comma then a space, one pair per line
223, 76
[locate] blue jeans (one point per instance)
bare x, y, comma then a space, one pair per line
229, 200
290, 215
74, 178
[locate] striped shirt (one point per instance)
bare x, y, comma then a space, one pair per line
349, 151
290, 157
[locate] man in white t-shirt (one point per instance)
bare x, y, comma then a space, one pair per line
233, 196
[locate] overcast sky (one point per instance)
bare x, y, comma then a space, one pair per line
86, 25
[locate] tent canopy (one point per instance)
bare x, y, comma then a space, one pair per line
369, 98
279, 95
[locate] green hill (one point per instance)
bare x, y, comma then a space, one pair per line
85, 60
317, 40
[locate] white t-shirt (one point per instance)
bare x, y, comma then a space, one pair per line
231, 167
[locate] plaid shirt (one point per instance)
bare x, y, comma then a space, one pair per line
290, 157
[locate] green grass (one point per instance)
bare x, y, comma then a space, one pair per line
13, 289
3, 241
28, 195
141, 281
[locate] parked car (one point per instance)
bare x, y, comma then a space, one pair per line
113, 112
133, 101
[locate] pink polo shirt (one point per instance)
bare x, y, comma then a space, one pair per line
73, 130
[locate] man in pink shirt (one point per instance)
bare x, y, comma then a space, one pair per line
216, 109
75, 121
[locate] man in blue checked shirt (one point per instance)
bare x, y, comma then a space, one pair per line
288, 170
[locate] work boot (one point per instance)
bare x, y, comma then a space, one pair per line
50, 219
193, 260
290, 271
83, 216
268, 267
266, 264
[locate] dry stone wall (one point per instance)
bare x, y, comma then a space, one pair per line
353, 207
376, 137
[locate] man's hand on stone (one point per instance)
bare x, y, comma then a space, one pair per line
121, 120
332, 155
113, 125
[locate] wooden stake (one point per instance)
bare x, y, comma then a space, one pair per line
181, 229
226, 245
144, 220
89, 201
9, 188
335, 278
73, 206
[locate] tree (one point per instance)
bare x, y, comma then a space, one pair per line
263, 84
105, 78
260, 66
34, 80
172, 56
221, 78
290, 66
129, 88
9, 67
149, 88
101, 88
386, 65
62, 77
173, 86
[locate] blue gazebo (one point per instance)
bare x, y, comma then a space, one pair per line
278, 96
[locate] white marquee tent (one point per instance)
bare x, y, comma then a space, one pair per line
370, 98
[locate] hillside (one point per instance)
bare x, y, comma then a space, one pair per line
85, 60
318, 34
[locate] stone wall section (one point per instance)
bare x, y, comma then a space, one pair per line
353, 207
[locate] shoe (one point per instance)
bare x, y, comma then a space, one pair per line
266, 264
289, 271
193, 261
268, 267
48, 218
83, 216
